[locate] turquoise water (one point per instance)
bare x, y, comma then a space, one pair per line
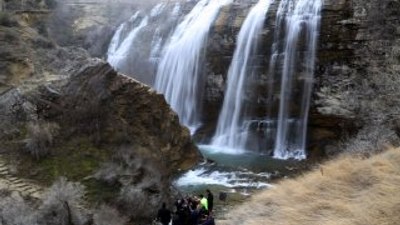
234, 172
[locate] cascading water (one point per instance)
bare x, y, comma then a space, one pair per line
304, 18
175, 51
179, 71
131, 51
115, 42
275, 54
232, 132
158, 39
118, 50
171, 53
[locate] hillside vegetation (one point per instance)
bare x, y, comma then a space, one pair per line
345, 191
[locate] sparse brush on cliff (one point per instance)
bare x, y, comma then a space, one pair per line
142, 186
15, 211
61, 205
346, 191
106, 215
127, 168
134, 199
371, 140
39, 138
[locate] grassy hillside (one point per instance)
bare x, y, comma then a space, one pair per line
346, 191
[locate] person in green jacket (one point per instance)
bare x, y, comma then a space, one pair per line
203, 202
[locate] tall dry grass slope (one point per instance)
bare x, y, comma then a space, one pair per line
346, 191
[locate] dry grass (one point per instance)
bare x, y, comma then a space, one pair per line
346, 191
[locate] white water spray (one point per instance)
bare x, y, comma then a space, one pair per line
232, 179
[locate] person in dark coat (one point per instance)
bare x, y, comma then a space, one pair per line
164, 215
210, 200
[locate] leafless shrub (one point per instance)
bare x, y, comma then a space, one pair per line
127, 168
106, 215
61, 205
40, 138
134, 199
370, 140
143, 187
109, 172
15, 211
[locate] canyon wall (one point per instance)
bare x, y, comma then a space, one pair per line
356, 74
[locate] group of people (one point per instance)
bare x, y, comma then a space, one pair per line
189, 211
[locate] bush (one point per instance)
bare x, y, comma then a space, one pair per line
40, 138
15, 211
106, 215
371, 140
61, 204
64, 191
135, 200
142, 186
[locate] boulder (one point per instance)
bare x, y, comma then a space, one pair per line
115, 135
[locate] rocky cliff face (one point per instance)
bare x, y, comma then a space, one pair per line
355, 78
112, 133
358, 67
28, 54
90, 24
120, 110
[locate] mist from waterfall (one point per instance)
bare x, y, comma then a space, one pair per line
302, 19
180, 68
232, 133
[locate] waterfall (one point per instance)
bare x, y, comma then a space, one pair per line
115, 42
162, 49
232, 130
279, 23
158, 39
303, 18
157, 10
118, 50
136, 46
179, 71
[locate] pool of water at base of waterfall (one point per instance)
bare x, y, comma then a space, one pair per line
237, 176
